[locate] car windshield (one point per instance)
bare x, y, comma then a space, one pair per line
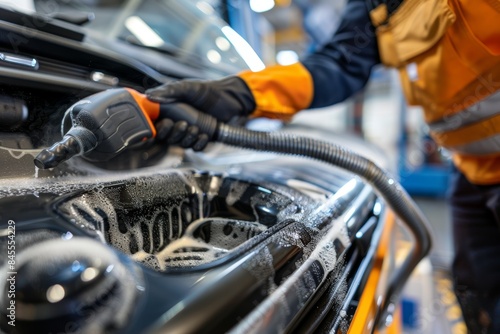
191, 31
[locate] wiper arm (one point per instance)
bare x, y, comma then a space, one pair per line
42, 23
164, 48
77, 18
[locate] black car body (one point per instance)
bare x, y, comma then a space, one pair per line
163, 240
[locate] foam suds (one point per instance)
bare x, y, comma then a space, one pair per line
159, 223
301, 284
20, 153
160, 220
192, 250
236, 190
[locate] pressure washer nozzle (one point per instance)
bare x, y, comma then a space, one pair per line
61, 151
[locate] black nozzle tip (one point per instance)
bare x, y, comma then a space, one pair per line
46, 159
57, 153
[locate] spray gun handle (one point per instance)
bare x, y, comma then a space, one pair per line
150, 112
118, 118
101, 126
104, 124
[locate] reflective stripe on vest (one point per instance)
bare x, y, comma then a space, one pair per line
474, 130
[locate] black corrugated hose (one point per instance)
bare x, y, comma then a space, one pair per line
385, 185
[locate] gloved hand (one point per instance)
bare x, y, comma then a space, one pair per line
180, 133
276, 92
223, 99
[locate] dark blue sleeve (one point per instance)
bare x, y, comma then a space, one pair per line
342, 67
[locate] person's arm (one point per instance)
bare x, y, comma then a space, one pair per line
328, 76
343, 66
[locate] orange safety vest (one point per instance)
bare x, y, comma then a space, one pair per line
448, 57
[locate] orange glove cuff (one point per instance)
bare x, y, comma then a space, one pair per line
280, 91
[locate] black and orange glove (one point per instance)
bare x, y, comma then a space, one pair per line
223, 99
276, 92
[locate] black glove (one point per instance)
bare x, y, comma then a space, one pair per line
223, 99
180, 132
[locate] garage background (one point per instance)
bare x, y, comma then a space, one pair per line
284, 31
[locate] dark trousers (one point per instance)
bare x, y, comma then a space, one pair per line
476, 267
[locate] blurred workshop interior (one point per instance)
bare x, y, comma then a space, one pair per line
284, 31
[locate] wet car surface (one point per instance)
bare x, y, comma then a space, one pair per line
195, 236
